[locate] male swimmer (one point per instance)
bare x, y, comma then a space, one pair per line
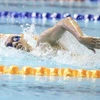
53, 34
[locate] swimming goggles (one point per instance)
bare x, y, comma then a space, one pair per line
14, 39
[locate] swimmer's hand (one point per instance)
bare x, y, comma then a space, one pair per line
90, 42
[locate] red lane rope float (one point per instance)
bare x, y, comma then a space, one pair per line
44, 71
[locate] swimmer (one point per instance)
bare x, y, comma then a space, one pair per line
53, 34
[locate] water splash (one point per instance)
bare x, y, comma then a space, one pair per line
77, 56
29, 32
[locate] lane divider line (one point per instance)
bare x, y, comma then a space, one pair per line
48, 15
45, 71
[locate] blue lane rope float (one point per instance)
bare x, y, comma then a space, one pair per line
12, 14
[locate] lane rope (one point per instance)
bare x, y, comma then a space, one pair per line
14, 14
44, 71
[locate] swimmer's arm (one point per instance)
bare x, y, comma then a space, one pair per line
44, 36
67, 24
70, 25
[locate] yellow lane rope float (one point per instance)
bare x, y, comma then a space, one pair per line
44, 71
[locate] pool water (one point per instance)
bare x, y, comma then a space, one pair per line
47, 88
51, 6
40, 87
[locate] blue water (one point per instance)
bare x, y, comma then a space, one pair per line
47, 88
51, 6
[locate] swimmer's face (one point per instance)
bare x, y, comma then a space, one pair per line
18, 43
